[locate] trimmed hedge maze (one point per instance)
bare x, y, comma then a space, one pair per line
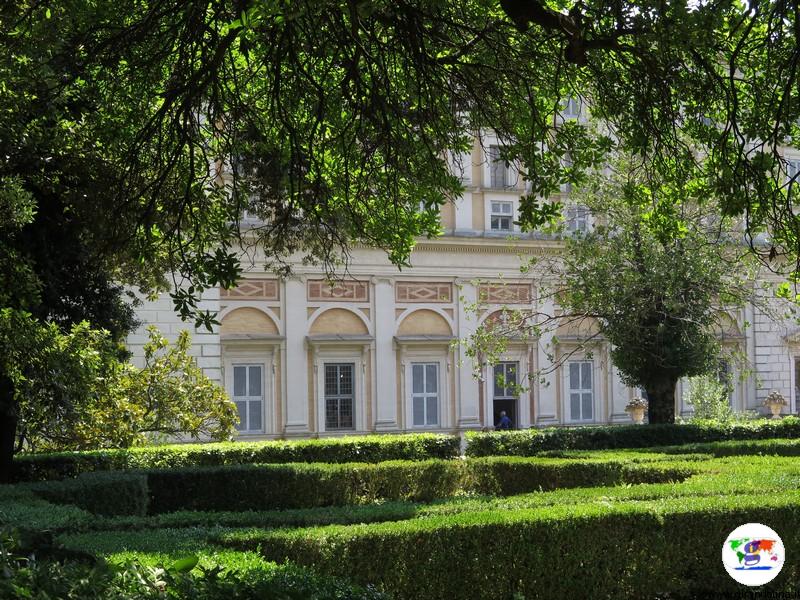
532, 442
645, 523
372, 448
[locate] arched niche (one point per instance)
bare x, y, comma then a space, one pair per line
424, 322
338, 321
247, 320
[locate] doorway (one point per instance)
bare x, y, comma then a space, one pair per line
505, 396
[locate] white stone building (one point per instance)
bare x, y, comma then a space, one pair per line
375, 352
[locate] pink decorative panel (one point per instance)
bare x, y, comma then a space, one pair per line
342, 291
505, 293
253, 289
423, 291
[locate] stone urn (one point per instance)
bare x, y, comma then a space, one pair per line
775, 403
636, 409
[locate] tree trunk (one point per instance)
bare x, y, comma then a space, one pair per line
8, 427
661, 402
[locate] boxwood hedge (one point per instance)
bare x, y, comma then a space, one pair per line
669, 548
25, 574
370, 448
264, 487
530, 442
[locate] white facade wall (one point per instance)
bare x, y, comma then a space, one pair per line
388, 326
775, 352
205, 344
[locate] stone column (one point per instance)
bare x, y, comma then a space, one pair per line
385, 380
467, 407
546, 394
295, 303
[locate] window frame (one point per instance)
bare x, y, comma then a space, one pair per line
505, 364
569, 390
575, 214
341, 352
571, 108
490, 198
247, 398
492, 163
338, 397
426, 353
425, 395
510, 215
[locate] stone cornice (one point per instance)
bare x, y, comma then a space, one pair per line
485, 246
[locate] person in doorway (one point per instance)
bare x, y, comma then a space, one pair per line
505, 422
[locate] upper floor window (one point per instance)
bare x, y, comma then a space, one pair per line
577, 218
571, 108
792, 174
499, 170
502, 216
461, 166
792, 168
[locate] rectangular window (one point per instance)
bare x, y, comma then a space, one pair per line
425, 394
571, 108
499, 169
502, 216
461, 166
505, 380
792, 170
581, 390
248, 395
577, 218
793, 176
339, 396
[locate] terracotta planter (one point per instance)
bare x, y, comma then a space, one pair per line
775, 409
637, 414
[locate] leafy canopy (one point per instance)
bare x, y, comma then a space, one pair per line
75, 394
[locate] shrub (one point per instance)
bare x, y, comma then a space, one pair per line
667, 548
507, 477
263, 487
709, 399
100, 493
254, 487
776, 447
24, 576
533, 441
127, 406
301, 517
22, 509
371, 448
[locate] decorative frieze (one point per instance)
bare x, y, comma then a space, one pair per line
423, 291
341, 291
505, 293
253, 289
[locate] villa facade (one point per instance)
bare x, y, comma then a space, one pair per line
375, 352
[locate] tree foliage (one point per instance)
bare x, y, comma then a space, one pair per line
709, 399
651, 282
119, 405
653, 278
138, 131
334, 119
